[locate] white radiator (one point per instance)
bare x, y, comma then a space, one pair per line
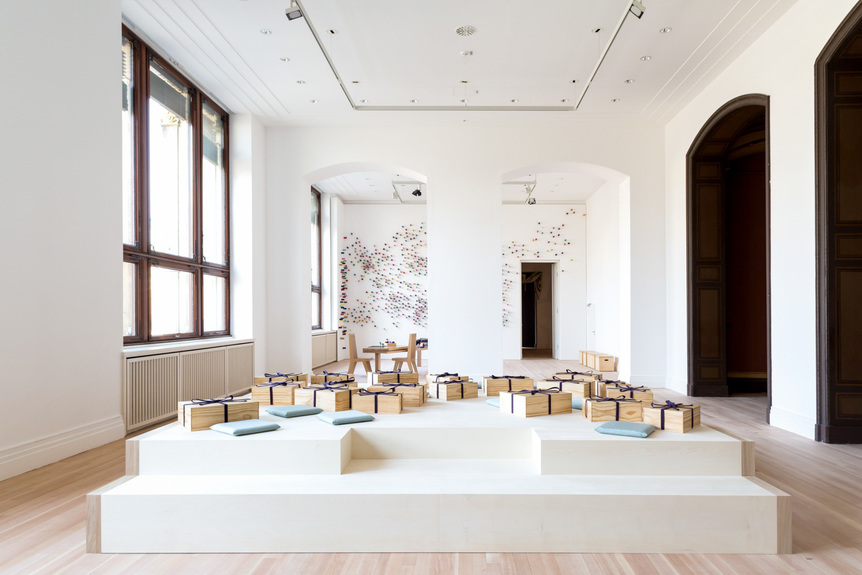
153, 384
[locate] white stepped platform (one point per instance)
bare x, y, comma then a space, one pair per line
449, 477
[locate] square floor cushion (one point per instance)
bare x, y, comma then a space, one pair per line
292, 410
245, 427
343, 417
626, 428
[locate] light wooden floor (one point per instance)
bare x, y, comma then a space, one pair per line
42, 517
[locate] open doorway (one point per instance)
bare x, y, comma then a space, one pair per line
537, 310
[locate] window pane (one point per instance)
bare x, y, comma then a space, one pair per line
171, 301
170, 165
315, 239
128, 148
130, 276
315, 309
215, 293
212, 178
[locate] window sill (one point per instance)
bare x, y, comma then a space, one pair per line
178, 346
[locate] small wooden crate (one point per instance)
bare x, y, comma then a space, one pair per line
455, 390
604, 363
433, 378
600, 388
494, 385
378, 401
281, 377
394, 377
569, 374
679, 418
201, 414
603, 409
576, 387
317, 378
413, 393
531, 404
275, 393
643, 394
326, 398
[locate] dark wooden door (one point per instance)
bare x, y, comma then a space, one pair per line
839, 203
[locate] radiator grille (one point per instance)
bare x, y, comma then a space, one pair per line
203, 374
240, 363
151, 389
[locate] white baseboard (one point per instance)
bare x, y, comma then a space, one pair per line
25, 457
792, 422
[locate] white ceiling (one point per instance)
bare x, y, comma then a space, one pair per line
400, 50
389, 52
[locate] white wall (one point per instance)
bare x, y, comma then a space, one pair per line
464, 167
781, 65
521, 224
60, 231
375, 226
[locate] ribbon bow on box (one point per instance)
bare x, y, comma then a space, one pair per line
676, 407
631, 389
279, 374
397, 374
273, 384
547, 392
447, 374
224, 401
376, 394
617, 401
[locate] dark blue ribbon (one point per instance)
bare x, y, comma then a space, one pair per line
272, 384
279, 374
675, 406
376, 394
224, 401
447, 374
507, 376
547, 392
617, 401
459, 382
631, 389
397, 374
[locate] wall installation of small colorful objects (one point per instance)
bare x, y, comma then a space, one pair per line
389, 275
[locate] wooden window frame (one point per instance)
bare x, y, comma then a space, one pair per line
316, 287
142, 254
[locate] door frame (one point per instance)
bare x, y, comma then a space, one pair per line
693, 160
554, 306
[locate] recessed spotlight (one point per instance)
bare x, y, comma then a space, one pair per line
615, 100
300, 81
464, 101
574, 81
630, 81
265, 31
564, 100
284, 59
414, 101
646, 58
314, 101
355, 82
363, 101
332, 31
465, 30
596, 30
514, 100
666, 30
467, 53
465, 81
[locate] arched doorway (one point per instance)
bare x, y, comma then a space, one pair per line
839, 234
728, 251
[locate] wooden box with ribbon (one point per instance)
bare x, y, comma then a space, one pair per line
413, 393
677, 417
582, 375
600, 387
433, 378
275, 392
577, 387
370, 401
327, 396
327, 377
460, 389
301, 378
533, 402
394, 377
494, 384
613, 409
643, 394
200, 414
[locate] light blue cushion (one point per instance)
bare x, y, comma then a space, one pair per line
577, 403
493, 401
245, 427
292, 410
627, 428
342, 417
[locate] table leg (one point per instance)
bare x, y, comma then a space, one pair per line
418, 357
377, 362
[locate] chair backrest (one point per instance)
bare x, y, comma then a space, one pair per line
411, 347
351, 338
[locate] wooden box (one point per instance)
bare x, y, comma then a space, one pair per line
275, 393
569, 374
413, 393
200, 414
326, 398
533, 403
643, 394
394, 377
494, 385
281, 377
600, 387
578, 388
455, 390
433, 378
604, 363
326, 377
378, 401
606, 409
677, 417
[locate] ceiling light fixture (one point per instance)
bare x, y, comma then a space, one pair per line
646, 58
615, 100
467, 53
528, 188
564, 100
514, 100
666, 30
294, 11
630, 81
637, 9
315, 101
363, 101
265, 31
465, 30
414, 101
284, 59
300, 81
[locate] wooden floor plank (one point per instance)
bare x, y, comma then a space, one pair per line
42, 516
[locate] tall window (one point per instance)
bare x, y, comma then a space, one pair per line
176, 278
316, 303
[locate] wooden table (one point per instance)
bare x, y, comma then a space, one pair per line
378, 349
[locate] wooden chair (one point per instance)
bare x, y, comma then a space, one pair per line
354, 358
410, 360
